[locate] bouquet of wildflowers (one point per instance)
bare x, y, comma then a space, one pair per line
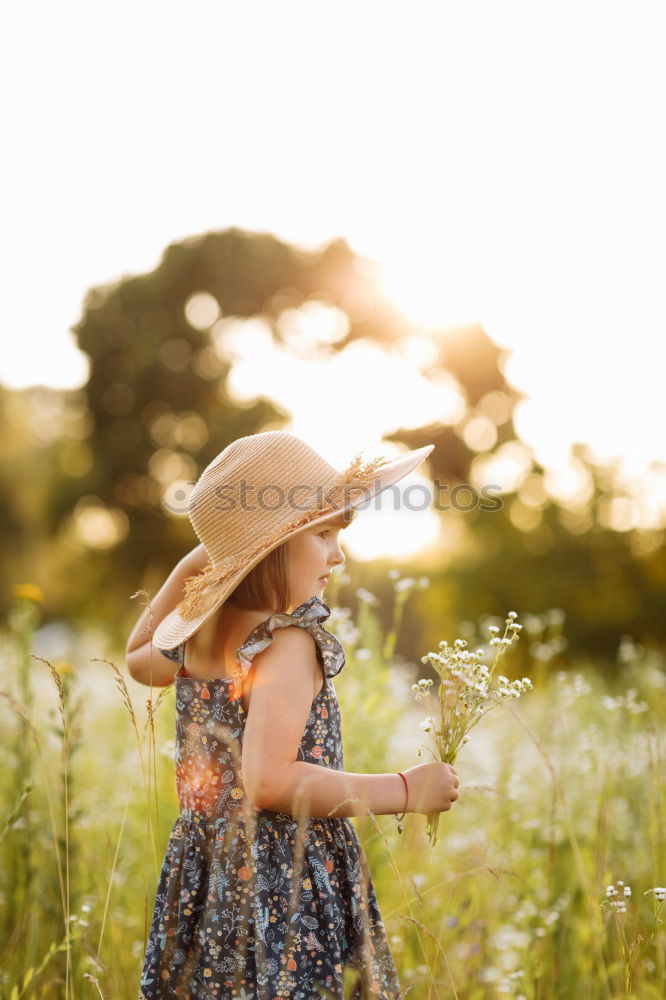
465, 694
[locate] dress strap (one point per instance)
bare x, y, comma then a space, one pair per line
177, 654
309, 615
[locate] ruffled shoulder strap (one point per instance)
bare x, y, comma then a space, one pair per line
177, 654
308, 615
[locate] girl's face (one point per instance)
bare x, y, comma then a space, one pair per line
311, 555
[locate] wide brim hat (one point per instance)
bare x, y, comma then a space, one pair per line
254, 497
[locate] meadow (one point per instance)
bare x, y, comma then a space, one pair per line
543, 884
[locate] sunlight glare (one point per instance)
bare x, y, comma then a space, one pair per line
380, 530
363, 378
505, 470
429, 288
313, 324
570, 484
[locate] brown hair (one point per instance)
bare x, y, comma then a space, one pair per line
267, 585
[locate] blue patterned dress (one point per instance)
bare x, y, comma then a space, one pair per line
254, 904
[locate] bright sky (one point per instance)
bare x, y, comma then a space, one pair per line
502, 162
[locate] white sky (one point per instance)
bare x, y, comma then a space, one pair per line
502, 162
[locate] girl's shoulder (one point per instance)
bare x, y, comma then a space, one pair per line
207, 660
308, 616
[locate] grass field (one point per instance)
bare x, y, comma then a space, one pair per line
562, 795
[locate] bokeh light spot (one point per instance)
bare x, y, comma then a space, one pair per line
202, 310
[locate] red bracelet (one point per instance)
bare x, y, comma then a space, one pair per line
400, 818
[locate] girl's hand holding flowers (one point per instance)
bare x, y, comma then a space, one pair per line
465, 696
433, 787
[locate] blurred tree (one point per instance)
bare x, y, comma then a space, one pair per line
528, 551
159, 398
90, 478
475, 362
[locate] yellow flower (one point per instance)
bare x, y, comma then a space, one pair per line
307, 883
236, 793
62, 667
28, 592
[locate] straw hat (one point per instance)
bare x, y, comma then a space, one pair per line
259, 492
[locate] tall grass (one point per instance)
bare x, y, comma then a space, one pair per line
560, 798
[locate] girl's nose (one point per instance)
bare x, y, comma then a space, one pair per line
338, 555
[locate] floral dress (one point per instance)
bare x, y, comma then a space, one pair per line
252, 903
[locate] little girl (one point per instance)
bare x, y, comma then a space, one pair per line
265, 890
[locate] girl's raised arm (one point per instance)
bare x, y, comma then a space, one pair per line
145, 663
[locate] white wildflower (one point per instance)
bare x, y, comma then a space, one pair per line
655, 678
627, 701
617, 894
422, 689
628, 650
542, 650
465, 692
367, 596
348, 635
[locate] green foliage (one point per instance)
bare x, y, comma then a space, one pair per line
93, 483
559, 798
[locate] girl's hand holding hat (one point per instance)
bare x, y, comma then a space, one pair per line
195, 560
